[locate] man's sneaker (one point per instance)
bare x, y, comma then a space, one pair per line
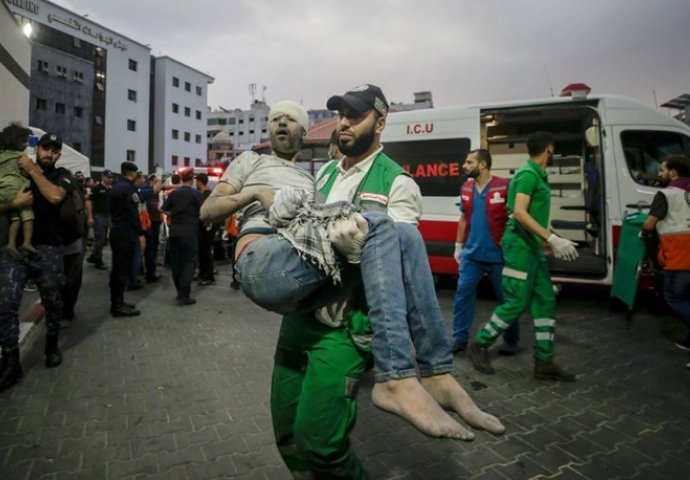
508, 349
30, 287
124, 311
480, 358
547, 370
204, 283
684, 344
184, 301
458, 346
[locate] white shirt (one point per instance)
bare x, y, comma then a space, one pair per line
404, 200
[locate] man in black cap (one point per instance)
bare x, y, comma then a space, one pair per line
98, 208
125, 233
50, 187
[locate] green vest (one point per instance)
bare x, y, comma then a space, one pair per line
371, 195
372, 192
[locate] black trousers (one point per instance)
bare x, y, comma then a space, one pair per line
184, 252
73, 265
123, 243
206, 253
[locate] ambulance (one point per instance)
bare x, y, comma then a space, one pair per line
605, 168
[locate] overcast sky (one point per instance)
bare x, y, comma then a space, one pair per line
462, 51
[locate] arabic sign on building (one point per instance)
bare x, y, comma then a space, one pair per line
76, 24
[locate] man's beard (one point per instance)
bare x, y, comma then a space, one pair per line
360, 144
45, 164
286, 148
473, 174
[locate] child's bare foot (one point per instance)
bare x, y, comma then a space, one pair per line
14, 253
406, 397
449, 394
29, 248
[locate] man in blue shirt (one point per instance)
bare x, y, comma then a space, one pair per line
477, 248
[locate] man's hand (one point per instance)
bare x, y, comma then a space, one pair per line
27, 164
142, 242
562, 248
264, 196
24, 198
347, 235
90, 222
457, 254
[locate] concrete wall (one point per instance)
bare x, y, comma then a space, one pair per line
15, 68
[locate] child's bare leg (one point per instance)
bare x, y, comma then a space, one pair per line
408, 398
449, 394
12, 240
28, 228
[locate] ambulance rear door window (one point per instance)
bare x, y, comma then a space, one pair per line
434, 164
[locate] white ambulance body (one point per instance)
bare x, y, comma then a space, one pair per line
607, 158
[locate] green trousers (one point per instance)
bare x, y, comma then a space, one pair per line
313, 398
526, 285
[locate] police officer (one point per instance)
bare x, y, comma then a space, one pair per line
124, 234
50, 187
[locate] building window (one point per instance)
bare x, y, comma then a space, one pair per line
132, 95
198, 91
198, 114
78, 76
133, 65
131, 156
251, 119
176, 108
132, 125
187, 111
174, 159
76, 146
186, 161
198, 162
78, 112
98, 120
59, 107
197, 138
175, 134
222, 121
41, 104
176, 82
241, 133
241, 120
61, 71
187, 86
187, 136
43, 66
251, 132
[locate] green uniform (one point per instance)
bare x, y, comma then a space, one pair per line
318, 367
526, 278
12, 181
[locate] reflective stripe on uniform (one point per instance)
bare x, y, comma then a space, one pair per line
544, 336
498, 322
512, 273
490, 328
544, 322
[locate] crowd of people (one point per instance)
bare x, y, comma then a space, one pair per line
337, 255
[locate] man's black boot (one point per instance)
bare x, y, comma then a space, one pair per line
11, 369
480, 358
53, 355
547, 370
123, 310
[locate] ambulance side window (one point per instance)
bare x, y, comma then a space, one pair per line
434, 164
644, 150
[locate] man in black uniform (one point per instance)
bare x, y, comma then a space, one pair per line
183, 207
125, 233
50, 187
207, 232
98, 215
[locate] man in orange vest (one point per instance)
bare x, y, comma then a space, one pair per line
478, 246
669, 215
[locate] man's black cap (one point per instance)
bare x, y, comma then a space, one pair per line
107, 173
360, 99
128, 167
50, 140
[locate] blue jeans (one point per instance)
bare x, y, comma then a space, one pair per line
470, 274
677, 293
397, 281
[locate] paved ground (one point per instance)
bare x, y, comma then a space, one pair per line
182, 393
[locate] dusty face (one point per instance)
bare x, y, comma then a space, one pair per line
357, 132
285, 136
